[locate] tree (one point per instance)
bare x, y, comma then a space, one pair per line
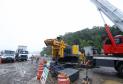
87, 37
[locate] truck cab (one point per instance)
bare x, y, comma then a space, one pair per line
7, 56
21, 53
109, 49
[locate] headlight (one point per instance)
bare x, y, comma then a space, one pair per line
3, 57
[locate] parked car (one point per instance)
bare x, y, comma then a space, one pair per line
7, 56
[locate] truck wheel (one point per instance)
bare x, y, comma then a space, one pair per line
1, 61
116, 68
120, 69
116, 65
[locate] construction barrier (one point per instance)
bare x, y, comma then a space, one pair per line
40, 69
45, 72
44, 75
63, 79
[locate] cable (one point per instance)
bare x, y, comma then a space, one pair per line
102, 17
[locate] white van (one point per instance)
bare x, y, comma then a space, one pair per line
7, 56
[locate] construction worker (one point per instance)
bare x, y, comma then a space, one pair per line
82, 56
37, 59
32, 59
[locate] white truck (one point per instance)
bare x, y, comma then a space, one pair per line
21, 53
7, 56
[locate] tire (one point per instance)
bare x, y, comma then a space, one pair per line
116, 68
1, 61
13, 61
116, 65
120, 69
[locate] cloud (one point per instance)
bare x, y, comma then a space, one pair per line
30, 22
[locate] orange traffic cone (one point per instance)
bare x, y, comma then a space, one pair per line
88, 62
40, 68
40, 71
41, 61
63, 79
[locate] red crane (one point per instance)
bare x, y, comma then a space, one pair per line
114, 44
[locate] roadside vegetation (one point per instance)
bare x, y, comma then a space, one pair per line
86, 37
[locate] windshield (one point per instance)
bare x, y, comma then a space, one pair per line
118, 40
10, 53
23, 52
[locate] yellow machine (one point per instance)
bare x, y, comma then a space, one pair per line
57, 47
75, 49
62, 51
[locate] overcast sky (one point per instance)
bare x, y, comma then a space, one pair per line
30, 22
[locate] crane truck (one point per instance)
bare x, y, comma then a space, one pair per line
113, 46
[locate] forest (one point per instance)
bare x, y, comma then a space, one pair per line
86, 37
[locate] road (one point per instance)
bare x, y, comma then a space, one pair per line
24, 72
17, 73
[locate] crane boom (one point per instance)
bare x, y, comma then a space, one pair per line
113, 13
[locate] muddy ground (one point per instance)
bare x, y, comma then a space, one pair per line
25, 73
17, 73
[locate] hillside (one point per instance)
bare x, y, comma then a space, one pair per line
94, 36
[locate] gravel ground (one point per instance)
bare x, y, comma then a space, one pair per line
25, 73
103, 75
17, 73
